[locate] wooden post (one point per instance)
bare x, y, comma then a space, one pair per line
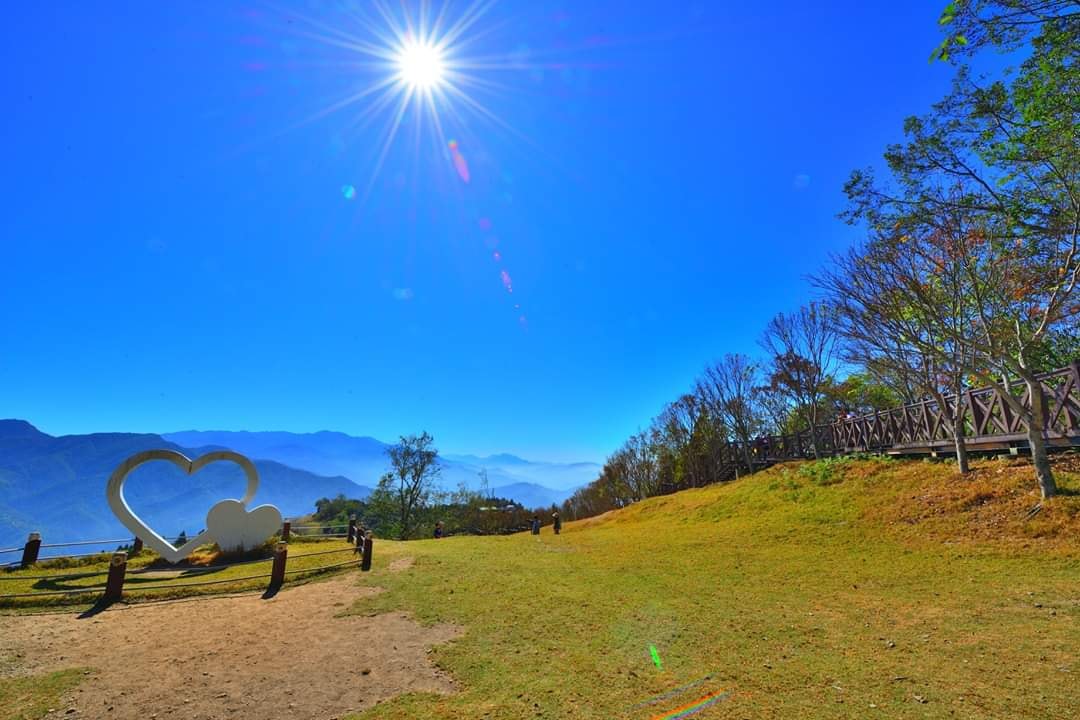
277, 572
136, 547
114, 586
31, 550
352, 530
286, 528
365, 563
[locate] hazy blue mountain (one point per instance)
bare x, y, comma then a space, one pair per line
56, 486
531, 495
363, 460
498, 460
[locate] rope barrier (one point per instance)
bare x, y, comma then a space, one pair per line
323, 535
82, 591
354, 563
69, 576
76, 555
198, 584
316, 527
198, 568
7, 550
124, 541
324, 552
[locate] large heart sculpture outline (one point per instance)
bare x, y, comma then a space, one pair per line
114, 492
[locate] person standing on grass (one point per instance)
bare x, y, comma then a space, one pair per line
558, 521
438, 530
536, 525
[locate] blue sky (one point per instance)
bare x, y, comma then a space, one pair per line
180, 249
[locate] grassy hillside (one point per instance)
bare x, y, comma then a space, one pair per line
860, 588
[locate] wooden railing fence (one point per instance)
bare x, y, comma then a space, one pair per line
989, 423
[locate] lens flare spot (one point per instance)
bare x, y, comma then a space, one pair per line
403, 294
348, 192
485, 224
496, 256
460, 165
506, 281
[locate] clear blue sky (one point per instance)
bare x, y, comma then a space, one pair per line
178, 251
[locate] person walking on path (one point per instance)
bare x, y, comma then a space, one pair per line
558, 521
536, 525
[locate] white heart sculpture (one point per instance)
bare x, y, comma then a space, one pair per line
114, 491
236, 528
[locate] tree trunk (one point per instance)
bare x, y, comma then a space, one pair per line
748, 459
1037, 439
958, 413
815, 441
961, 449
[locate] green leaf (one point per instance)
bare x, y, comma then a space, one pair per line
961, 40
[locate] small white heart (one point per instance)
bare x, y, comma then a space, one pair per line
236, 528
114, 492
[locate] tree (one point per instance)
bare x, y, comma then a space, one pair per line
414, 470
1008, 156
896, 303
972, 25
639, 464
337, 511
803, 349
864, 393
731, 391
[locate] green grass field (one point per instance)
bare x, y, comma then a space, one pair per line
839, 589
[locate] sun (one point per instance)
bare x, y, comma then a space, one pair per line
420, 65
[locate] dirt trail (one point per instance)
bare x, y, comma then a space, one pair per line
234, 657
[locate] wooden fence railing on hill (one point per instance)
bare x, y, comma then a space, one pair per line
920, 428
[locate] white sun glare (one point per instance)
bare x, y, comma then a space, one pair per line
416, 66
420, 65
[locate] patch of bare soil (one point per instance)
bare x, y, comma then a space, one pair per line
291, 656
401, 564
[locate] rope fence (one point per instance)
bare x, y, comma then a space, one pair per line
320, 568
328, 552
318, 527
117, 572
89, 542
64, 576
203, 582
80, 591
199, 568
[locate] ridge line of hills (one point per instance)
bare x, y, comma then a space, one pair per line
56, 484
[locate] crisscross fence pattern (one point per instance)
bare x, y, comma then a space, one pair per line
989, 423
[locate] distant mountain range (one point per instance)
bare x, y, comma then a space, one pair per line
363, 460
56, 485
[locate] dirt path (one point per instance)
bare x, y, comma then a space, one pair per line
235, 657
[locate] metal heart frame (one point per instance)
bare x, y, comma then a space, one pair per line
114, 492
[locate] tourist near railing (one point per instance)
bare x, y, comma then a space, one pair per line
113, 588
